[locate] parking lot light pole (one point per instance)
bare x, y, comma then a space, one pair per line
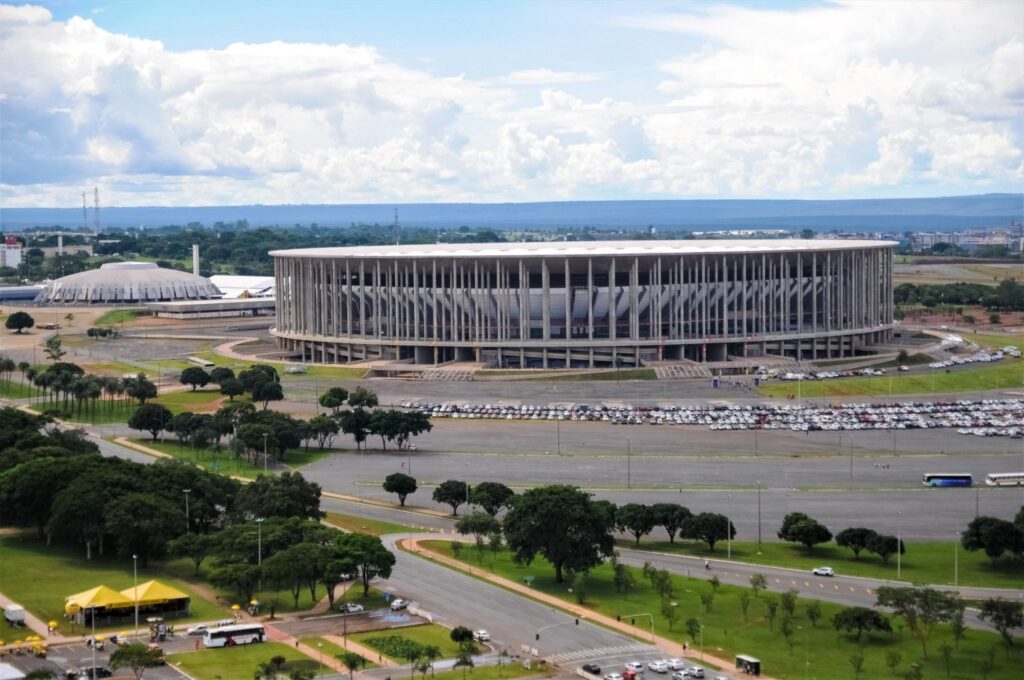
320, 645
899, 544
759, 517
135, 591
187, 526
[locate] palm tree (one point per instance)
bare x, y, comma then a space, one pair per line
31, 375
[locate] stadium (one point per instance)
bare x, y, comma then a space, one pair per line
127, 283
584, 304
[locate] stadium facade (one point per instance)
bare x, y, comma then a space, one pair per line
584, 304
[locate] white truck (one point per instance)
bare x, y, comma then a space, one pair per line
14, 614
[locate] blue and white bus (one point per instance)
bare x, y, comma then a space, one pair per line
229, 636
948, 479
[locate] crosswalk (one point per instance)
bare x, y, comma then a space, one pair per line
599, 653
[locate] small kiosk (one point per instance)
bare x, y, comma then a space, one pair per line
748, 664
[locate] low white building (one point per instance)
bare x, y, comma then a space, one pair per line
244, 286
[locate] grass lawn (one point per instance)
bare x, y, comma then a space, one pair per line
1004, 374
372, 527
120, 410
12, 389
39, 577
426, 634
239, 663
727, 631
331, 650
116, 316
200, 401
924, 562
224, 461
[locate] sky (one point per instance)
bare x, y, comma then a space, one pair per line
225, 102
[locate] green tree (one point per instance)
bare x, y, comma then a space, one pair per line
451, 492
195, 377
709, 527
491, 496
860, 619
856, 539
947, 654
744, 597
284, 495
401, 484
370, 556
140, 388
231, 388
886, 546
799, 528
789, 600
957, 626
561, 523
293, 568
323, 429
993, 535
635, 518
693, 629
893, 660
460, 634
758, 582
813, 610
671, 517
334, 400
1004, 616
136, 656
857, 661
221, 373
19, 321
142, 524
152, 418
669, 611
362, 398
772, 609
196, 547
356, 423
351, 661
480, 525
265, 392
921, 608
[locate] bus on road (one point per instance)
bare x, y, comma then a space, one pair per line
1005, 479
947, 479
229, 636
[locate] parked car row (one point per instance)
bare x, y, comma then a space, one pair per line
987, 417
978, 358
633, 669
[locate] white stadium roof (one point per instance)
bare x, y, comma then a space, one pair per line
587, 248
117, 282
244, 286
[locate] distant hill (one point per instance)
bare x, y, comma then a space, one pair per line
952, 212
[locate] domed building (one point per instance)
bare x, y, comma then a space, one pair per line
127, 283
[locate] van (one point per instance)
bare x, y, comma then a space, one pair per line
14, 614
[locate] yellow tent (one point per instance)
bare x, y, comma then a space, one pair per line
152, 592
100, 596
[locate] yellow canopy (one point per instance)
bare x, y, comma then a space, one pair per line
100, 596
152, 592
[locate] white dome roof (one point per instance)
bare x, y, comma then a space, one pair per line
120, 282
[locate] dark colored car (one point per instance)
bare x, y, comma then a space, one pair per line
101, 672
592, 668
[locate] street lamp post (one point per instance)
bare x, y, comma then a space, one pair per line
135, 592
265, 453
758, 517
629, 459
320, 645
899, 544
187, 525
259, 549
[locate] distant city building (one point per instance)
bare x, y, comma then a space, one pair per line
127, 282
584, 304
10, 252
971, 238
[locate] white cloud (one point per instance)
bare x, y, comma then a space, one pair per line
835, 100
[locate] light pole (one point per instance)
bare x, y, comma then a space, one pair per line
807, 652
135, 592
259, 549
756, 428
187, 525
728, 530
629, 459
320, 645
558, 436
92, 613
265, 452
758, 517
899, 544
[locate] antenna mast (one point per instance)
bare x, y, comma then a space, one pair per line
85, 214
395, 228
96, 208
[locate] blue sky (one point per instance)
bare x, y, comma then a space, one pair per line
190, 102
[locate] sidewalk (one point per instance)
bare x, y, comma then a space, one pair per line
37, 625
315, 654
664, 644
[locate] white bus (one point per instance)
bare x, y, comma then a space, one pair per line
229, 636
1005, 479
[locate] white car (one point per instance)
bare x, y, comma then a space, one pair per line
481, 636
613, 676
658, 666
680, 675
352, 608
198, 630
694, 672
399, 604
635, 666
676, 664
823, 571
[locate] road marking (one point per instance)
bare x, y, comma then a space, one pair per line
835, 587
852, 589
599, 653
